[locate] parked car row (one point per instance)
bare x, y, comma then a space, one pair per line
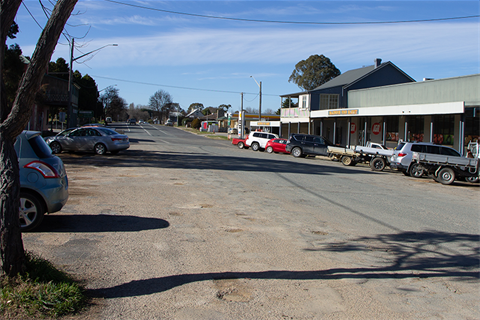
401, 159
89, 139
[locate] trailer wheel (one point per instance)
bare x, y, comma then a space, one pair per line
347, 161
377, 164
472, 179
241, 145
416, 170
446, 176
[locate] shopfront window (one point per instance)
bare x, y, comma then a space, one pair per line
443, 129
416, 125
392, 128
472, 124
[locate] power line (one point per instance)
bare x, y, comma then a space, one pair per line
288, 22
177, 87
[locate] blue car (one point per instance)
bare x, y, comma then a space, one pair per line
43, 180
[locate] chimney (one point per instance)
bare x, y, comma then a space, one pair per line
378, 62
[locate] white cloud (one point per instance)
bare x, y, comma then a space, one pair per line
359, 44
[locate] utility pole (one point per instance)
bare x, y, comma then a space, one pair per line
240, 117
260, 103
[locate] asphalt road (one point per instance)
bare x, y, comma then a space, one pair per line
185, 227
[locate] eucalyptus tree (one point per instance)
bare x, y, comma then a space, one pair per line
14, 118
313, 72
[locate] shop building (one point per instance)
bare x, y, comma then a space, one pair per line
361, 107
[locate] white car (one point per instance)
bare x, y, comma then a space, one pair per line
258, 140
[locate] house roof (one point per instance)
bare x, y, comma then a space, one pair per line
347, 77
352, 76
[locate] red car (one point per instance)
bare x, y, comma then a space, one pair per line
240, 143
276, 145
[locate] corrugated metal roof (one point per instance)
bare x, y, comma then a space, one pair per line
346, 78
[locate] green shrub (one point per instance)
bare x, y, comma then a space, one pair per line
196, 123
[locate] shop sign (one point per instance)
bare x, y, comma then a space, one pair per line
376, 128
263, 123
342, 112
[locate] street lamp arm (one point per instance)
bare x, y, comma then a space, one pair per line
255, 80
86, 54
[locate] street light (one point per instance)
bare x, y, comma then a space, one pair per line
260, 98
71, 121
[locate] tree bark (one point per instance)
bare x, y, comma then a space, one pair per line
11, 245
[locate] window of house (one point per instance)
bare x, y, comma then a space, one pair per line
305, 102
328, 101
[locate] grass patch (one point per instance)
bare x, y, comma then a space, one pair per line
211, 135
43, 292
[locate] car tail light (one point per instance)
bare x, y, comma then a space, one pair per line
401, 154
46, 170
117, 139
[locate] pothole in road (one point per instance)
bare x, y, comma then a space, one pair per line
233, 230
320, 233
233, 290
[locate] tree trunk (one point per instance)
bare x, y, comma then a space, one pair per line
14, 121
11, 244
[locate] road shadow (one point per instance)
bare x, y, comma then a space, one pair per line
412, 255
98, 223
205, 161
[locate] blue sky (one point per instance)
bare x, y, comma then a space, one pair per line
210, 61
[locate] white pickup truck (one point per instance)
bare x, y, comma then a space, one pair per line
374, 153
445, 169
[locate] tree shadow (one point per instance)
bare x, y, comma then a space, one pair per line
412, 255
99, 223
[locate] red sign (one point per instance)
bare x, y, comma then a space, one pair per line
376, 128
353, 128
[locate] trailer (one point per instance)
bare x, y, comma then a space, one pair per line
374, 153
445, 169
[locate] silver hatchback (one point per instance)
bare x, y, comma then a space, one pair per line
90, 139
43, 180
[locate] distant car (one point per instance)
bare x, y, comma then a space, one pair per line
232, 130
169, 123
301, 145
258, 140
43, 180
108, 119
276, 145
99, 140
141, 122
132, 121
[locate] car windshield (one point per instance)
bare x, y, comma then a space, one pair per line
41, 149
107, 131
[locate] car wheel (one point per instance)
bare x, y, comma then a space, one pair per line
269, 149
347, 161
416, 170
240, 145
446, 176
297, 152
56, 147
255, 146
377, 164
100, 148
31, 211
